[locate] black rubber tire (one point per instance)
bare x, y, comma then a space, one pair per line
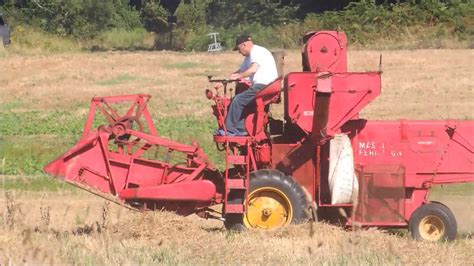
280, 181
234, 222
442, 213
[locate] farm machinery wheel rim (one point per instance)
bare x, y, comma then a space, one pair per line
268, 208
432, 228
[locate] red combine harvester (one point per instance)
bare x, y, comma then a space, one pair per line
322, 156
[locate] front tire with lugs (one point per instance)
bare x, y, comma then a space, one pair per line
274, 201
433, 222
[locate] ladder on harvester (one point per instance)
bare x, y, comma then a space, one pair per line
238, 153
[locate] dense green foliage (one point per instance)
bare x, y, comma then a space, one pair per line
365, 20
234, 13
185, 27
154, 17
77, 18
366, 23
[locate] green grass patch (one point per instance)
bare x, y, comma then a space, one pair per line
120, 79
189, 130
183, 65
12, 104
28, 40
35, 123
464, 189
123, 39
26, 155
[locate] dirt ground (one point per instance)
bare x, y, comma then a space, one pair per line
78, 228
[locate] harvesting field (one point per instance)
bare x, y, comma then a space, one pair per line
43, 108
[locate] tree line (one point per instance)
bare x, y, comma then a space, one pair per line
183, 24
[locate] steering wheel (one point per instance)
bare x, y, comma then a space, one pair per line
223, 81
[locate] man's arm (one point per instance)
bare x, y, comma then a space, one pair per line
246, 73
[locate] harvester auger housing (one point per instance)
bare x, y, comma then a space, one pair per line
321, 155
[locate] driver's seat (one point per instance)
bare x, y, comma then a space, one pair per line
255, 122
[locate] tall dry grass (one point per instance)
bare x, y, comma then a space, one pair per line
75, 228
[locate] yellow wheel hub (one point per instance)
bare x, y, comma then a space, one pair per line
432, 228
268, 208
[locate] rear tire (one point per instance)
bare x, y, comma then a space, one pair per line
433, 222
274, 201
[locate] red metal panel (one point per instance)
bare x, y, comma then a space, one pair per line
298, 161
425, 148
237, 159
381, 194
351, 92
415, 197
325, 51
235, 183
270, 93
146, 173
83, 164
299, 99
237, 140
234, 208
200, 190
255, 122
138, 103
345, 94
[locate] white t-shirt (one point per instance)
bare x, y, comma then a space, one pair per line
266, 71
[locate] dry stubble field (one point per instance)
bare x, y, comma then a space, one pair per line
71, 226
